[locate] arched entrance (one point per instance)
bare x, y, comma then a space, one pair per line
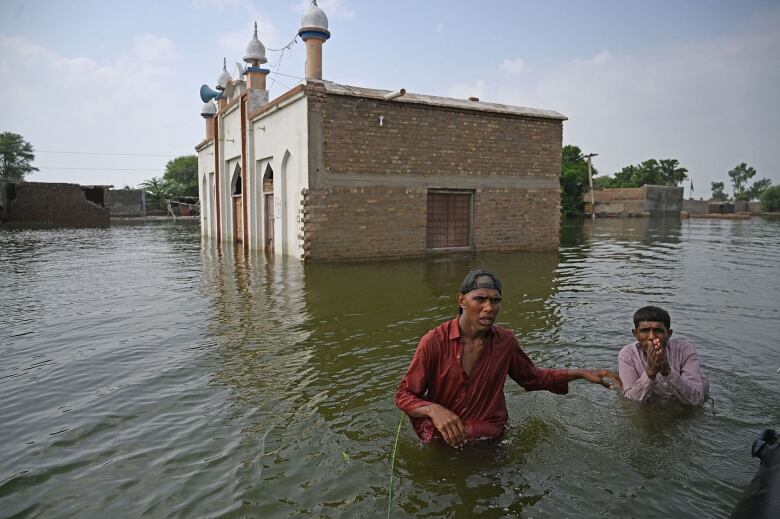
268, 199
238, 213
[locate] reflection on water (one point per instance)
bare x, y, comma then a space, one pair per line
146, 373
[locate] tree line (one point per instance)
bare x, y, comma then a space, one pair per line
664, 172
180, 177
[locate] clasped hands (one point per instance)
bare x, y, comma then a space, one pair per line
657, 362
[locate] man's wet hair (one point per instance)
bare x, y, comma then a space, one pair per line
652, 313
479, 279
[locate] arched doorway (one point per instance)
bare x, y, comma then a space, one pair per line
268, 199
238, 213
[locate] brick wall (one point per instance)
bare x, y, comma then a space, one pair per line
341, 223
370, 198
616, 194
43, 204
417, 139
511, 219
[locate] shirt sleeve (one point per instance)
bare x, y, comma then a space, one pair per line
690, 385
636, 386
415, 382
531, 378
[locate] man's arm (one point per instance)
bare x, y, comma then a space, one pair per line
408, 399
690, 385
596, 376
523, 371
637, 384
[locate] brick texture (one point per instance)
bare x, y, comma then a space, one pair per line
43, 204
504, 153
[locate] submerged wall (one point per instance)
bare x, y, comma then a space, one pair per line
44, 204
128, 202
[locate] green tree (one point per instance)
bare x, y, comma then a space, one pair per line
717, 191
770, 199
574, 180
181, 174
671, 172
758, 187
16, 155
740, 176
158, 189
604, 182
666, 172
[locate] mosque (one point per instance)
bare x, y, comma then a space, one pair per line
328, 171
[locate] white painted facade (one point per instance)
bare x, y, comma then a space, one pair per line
277, 145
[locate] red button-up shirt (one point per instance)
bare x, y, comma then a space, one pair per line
436, 375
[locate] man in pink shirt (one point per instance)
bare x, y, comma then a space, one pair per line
657, 366
454, 387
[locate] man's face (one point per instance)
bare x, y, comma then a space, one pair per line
646, 331
481, 306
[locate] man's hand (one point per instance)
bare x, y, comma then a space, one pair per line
657, 362
601, 376
448, 424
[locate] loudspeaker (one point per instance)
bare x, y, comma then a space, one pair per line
207, 94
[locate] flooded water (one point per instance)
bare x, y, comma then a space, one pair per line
142, 374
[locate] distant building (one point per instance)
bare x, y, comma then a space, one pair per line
48, 204
128, 202
647, 200
329, 171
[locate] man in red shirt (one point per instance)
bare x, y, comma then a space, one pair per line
454, 387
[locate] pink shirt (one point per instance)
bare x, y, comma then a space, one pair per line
685, 382
436, 375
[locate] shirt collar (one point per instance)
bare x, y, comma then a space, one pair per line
454, 329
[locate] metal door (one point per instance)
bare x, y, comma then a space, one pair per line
449, 220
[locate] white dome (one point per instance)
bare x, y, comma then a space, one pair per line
224, 77
255, 50
208, 109
314, 17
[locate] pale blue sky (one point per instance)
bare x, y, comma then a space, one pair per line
692, 80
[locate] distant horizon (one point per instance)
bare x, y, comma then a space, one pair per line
110, 97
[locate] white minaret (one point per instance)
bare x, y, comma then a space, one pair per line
314, 32
208, 111
222, 83
254, 57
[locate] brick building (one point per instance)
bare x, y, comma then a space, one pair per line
51, 204
647, 200
328, 171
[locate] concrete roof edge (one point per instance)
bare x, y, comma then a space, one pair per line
450, 102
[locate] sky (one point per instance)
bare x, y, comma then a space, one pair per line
107, 92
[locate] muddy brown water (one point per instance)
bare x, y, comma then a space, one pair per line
143, 374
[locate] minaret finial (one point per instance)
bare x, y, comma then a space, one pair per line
255, 30
224, 63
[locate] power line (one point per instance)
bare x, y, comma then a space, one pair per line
101, 169
286, 46
105, 153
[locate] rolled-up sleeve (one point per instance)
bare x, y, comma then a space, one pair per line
531, 378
